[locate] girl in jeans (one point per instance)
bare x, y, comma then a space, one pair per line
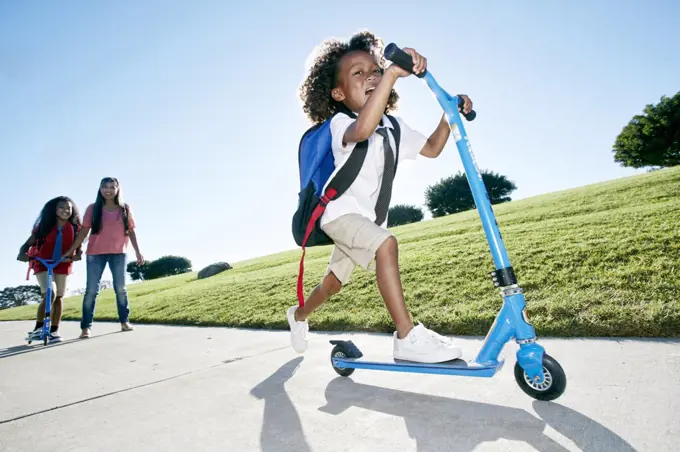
112, 225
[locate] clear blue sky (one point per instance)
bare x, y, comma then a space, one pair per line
194, 107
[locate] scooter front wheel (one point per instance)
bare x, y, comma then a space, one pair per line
554, 380
340, 351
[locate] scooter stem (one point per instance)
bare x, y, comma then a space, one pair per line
479, 193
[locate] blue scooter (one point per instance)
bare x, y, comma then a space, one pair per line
44, 333
537, 373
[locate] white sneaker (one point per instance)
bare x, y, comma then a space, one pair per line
425, 346
298, 331
34, 335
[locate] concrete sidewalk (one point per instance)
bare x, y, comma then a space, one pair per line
163, 388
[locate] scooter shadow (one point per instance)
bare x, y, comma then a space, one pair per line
38, 346
439, 423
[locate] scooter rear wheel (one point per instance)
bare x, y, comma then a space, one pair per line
554, 380
340, 351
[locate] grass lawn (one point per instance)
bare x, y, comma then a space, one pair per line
601, 260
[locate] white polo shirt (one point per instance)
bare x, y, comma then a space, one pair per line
362, 196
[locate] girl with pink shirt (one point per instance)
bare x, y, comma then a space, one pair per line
112, 227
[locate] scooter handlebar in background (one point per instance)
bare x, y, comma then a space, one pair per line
404, 61
50, 262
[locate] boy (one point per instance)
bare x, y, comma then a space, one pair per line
349, 78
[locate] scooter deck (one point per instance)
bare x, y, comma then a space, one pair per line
455, 367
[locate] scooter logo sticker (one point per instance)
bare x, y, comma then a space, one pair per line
457, 136
472, 157
455, 132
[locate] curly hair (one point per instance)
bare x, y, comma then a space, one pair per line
315, 91
47, 219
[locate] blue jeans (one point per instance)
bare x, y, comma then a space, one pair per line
96, 263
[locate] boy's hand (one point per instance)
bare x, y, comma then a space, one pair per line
419, 64
467, 106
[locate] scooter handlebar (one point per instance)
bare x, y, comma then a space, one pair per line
50, 262
401, 59
404, 61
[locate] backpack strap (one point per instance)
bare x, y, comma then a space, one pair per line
396, 132
342, 180
338, 185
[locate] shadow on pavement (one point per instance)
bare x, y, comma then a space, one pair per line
281, 426
38, 346
586, 433
439, 423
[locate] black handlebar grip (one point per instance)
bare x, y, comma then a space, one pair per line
469, 116
400, 58
404, 61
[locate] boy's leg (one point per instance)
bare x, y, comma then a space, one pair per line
331, 284
117, 266
95, 269
363, 241
339, 265
389, 284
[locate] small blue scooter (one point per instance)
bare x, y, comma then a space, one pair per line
44, 333
537, 373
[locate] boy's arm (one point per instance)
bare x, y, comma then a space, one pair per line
373, 111
436, 142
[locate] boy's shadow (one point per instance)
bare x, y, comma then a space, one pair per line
281, 426
439, 423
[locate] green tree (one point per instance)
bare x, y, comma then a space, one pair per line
453, 194
166, 266
652, 138
11, 297
137, 272
404, 214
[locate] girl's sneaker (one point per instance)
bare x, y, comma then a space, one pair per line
55, 338
126, 327
425, 346
34, 335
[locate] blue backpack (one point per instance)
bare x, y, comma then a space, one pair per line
316, 162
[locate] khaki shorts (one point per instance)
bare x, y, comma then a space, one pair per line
58, 283
356, 241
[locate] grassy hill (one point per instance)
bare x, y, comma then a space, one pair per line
601, 260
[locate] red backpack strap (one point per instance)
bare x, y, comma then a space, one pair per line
316, 214
32, 252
